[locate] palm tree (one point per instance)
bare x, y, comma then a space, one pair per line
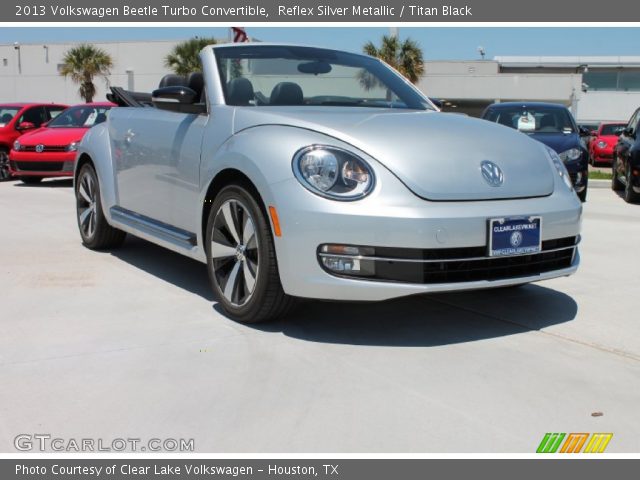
82, 64
184, 58
406, 57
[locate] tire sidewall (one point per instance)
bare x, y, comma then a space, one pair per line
265, 243
87, 168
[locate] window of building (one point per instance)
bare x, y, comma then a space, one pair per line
619, 80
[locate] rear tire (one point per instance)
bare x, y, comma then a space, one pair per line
241, 258
31, 180
95, 231
4, 165
616, 184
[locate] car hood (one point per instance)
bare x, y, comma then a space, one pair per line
436, 155
560, 142
53, 136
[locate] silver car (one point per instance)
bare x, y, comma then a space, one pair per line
306, 172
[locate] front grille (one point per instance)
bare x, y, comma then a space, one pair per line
37, 166
46, 148
465, 264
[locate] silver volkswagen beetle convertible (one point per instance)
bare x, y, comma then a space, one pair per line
305, 172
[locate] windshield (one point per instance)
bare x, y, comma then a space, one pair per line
83, 116
280, 75
612, 129
534, 119
7, 114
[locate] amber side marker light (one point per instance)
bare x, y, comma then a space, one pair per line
275, 221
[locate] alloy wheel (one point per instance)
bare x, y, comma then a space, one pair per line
87, 204
234, 251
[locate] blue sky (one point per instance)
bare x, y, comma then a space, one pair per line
437, 42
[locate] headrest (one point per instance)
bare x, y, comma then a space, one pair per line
240, 91
286, 93
172, 80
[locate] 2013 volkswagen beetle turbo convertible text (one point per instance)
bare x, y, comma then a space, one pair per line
305, 172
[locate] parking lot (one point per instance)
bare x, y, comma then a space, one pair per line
129, 343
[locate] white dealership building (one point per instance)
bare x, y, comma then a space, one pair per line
594, 88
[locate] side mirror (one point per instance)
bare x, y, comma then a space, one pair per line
584, 132
177, 99
628, 132
25, 126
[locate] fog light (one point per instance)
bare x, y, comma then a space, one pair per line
347, 259
339, 264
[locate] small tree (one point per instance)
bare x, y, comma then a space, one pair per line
406, 56
82, 64
184, 58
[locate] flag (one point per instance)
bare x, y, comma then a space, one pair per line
239, 35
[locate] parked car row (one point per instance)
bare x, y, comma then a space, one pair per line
626, 161
40, 140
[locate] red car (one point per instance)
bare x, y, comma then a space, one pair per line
603, 141
19, 118
50, 151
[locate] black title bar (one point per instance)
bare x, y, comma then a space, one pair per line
249, 11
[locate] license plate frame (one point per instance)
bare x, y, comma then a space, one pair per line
514, 236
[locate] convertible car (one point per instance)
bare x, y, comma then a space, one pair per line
306, 172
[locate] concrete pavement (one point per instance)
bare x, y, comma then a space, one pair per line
129, 343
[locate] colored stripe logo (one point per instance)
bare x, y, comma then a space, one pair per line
573, 442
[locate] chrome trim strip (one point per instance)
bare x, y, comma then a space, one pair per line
444, 260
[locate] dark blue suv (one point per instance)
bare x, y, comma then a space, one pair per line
553, 125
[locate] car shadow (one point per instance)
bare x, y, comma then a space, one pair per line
428, 320
48, 183
416, 321
183, 272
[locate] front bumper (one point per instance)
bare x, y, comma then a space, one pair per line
45, 164
394, 218
603, 155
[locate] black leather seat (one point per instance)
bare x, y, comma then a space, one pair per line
240, 92
286, 93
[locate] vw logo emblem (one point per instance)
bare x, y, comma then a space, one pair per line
40, 148
491, 173
516, 239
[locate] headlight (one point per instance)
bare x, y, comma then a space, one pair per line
602, 144
571, 154
72, 147
560, 168
333, 173
16, 146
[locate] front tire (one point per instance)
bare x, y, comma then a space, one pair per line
616, 184
583, 195
630, 196
95, 231
241, 258
4, 165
